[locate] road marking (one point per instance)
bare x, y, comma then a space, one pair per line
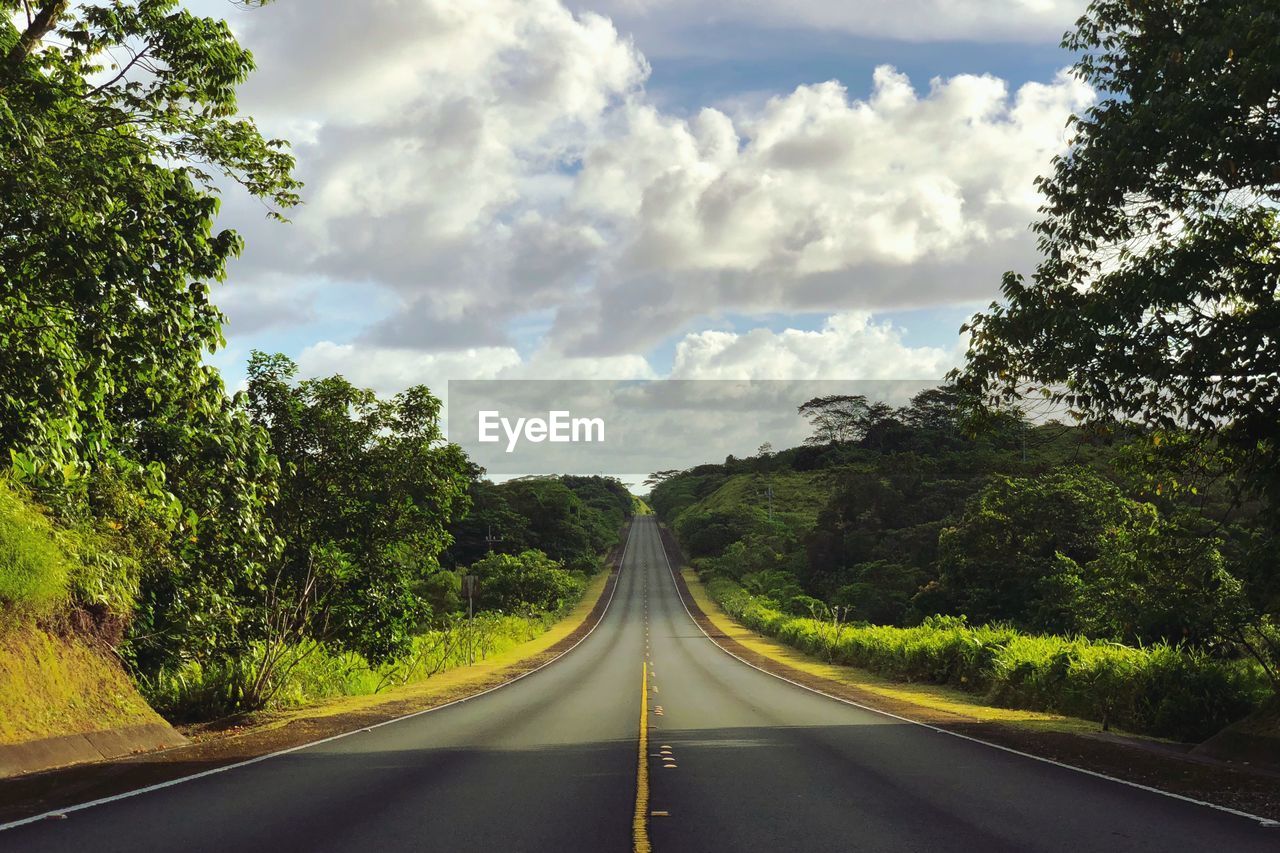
640, 821
660, 814
1264, 821
61, 814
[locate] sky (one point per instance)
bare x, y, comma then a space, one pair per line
623, 189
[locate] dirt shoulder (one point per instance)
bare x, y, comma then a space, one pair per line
220, 744
1147, 761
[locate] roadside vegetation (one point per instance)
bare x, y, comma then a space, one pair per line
1159, 690
235, 551
1047, 567
305, 537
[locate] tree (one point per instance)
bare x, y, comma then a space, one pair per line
489, 525
116, 118
1018, 551
1155, 581
841, 418
368, 489
529, 580
1157, 296
118, 124
558, 523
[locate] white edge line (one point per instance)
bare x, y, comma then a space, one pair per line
1268, 822
172, 782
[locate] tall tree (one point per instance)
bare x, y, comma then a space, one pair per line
368, 489
840, 418
117, 120
1157, 296
118, 124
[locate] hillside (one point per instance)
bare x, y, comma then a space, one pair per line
1098, 544
54, 684
59, 679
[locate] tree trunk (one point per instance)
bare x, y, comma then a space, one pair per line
41, 25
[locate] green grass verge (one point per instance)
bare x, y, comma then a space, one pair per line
35, 571
314, 673
1159, 690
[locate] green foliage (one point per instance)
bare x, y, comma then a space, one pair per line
117, 119
879, 591
1160, 690
1069, 552
35, 571
1156, 297
107, 212
529, 580
557, 521
571, 519
46, 565
842, 417
1017, 552
368, 489
197, 690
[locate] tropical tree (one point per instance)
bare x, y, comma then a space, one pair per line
840, 418
1018, 551
116, 120
368, 488
529, 580
1158, 295
118, 126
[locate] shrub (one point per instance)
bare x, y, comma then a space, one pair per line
524, 582
1161, 690
196, 691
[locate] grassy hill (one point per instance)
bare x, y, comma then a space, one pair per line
56, 676
59, 684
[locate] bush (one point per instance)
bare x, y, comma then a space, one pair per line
524, 582
1160, 690
35, 570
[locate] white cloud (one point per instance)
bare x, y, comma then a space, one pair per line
388, 370
816, 201
489, 161
849, 346
817, 182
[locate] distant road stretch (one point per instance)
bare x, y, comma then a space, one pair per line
737, 760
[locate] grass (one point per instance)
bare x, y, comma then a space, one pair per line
1160, 690
798, 496
935, 697
52, 685
35, 571
460, 681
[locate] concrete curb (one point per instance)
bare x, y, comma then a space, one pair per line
53, 752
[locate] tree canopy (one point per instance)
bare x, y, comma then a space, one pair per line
1157, 294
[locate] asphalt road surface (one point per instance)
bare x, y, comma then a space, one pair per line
737, 760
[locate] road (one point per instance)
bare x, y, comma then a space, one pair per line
737, 760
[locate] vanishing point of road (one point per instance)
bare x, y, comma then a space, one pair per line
644, 735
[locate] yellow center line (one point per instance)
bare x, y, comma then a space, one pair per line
640, 823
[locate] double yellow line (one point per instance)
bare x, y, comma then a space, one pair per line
640, 824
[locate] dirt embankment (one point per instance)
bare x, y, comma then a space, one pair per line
65, 699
